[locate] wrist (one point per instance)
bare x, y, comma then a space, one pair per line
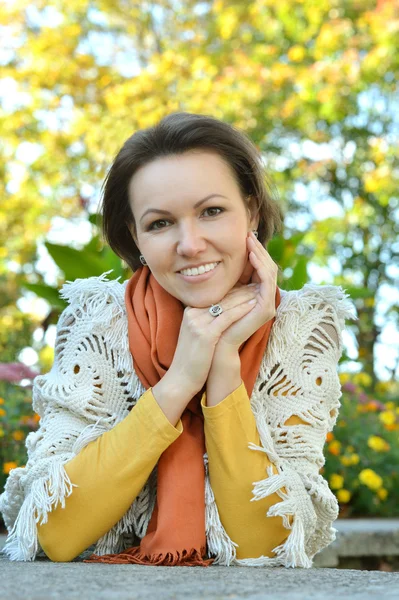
226, 356
224, 377
176, 385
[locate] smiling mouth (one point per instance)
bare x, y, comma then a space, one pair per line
200, 276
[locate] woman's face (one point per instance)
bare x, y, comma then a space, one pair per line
190, 235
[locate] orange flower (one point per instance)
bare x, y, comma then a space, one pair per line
335, 447
2, 412
392, 427
18, 435
8, 466
330, 436
372, 406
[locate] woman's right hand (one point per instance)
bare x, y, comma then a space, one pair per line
199, 335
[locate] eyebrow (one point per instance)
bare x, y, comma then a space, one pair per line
167, 212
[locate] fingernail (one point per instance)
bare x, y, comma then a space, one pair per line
252, 284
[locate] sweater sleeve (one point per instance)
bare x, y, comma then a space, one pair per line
298, 408
91, 392
233, 468
108, 473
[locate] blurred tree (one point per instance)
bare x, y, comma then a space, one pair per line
313, 83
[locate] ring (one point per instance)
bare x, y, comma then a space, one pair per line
216, 310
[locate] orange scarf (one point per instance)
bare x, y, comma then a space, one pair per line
176, 531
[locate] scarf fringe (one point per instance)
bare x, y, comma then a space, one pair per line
193, 558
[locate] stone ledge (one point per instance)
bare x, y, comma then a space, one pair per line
45, 580
355, 538
42, 579
361, 538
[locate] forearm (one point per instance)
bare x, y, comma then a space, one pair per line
109, 472
224, 377
233, 469
172, 396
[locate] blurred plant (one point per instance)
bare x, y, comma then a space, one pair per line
362, 452
17, 417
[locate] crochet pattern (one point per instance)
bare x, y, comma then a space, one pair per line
92, 386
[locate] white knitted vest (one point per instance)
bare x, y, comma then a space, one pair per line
92, 386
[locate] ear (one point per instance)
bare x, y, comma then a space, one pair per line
130, 227
253, 213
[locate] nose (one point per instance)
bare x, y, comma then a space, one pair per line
191, 241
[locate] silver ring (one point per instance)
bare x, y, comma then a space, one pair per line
216, 310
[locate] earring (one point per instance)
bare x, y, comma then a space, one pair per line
255, 233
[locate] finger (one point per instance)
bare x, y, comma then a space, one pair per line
237, 297
227, 317
260, 251
260, 258
246, 275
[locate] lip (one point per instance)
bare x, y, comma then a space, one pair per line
198, 278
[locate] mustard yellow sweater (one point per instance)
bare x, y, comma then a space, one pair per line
112, 470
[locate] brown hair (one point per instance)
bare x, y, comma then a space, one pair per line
175, 134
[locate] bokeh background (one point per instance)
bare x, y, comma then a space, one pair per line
314, 83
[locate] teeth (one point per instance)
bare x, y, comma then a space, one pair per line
200, 270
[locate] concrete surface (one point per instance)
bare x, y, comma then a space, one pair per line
43, 579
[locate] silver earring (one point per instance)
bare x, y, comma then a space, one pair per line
255, 233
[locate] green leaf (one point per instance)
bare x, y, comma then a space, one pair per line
47, 292
76, 263
300, 274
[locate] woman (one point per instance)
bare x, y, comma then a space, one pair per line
184, 418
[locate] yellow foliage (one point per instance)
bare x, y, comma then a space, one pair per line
246, 37
371, 479
296, 53
344, 496
347, 461
382, 493
387, 417
46, 357
228, 21
362, 379
336, 481
344, 377
378, 444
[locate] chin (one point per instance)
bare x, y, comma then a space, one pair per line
205, 302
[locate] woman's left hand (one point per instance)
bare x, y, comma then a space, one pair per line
263, 270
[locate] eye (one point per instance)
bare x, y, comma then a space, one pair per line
151, 227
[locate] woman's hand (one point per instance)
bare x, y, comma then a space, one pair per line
260, 269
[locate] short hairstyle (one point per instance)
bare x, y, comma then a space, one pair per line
176, 134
